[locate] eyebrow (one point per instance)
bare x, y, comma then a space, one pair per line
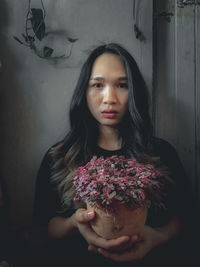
102, 79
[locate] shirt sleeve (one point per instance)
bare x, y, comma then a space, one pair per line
46, 201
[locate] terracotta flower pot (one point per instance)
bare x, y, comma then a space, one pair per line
124, 221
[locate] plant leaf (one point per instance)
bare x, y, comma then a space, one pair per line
37, 22
47, 51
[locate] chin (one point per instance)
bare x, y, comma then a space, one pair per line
111, 123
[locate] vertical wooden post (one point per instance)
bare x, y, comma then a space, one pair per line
177, 84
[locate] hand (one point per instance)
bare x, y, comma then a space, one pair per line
149, 239
117, 248
82, 217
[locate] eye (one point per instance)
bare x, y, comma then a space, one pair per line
97, 85
122, 85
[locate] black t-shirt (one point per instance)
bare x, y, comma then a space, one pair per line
47, 202
74, 249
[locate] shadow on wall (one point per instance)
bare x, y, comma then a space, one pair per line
4, 21
15, 122
17, 127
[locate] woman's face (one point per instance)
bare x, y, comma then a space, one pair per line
107, 93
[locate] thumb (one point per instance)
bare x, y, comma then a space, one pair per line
85, 216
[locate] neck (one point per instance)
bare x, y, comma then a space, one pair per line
109, 138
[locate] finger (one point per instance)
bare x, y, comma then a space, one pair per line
122, 244
93, 238
98, 241
84, 216
124, 257
92, 248
111, 244
135, 238
140, 236
119, 241
127, 245
113, 256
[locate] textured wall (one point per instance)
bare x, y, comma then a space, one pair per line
35, 93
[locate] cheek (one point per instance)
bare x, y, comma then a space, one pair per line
93, 100
124, 100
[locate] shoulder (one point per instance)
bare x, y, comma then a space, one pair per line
47, 162
50, 154
44, 174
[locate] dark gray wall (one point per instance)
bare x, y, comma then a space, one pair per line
35, 93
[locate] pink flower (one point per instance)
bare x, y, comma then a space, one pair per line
103, 180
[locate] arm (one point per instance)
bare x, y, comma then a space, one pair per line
169, 231
60, 227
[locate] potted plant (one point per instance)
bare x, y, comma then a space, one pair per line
120, 190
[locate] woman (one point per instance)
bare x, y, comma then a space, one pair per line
109, 115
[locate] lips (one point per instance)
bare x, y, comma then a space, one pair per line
109, 113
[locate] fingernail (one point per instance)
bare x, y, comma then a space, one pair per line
90, 214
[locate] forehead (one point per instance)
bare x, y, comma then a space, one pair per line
107, 63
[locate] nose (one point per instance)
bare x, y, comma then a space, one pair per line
110, 96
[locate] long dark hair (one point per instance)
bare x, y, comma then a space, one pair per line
135, 129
